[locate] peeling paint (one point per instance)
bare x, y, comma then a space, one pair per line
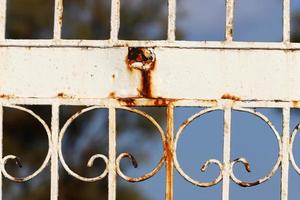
143, 60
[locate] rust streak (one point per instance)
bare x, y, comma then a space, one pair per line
60, 20
6, 96
161, 101
126, 101
296, 104
63, 95
112, 95
143, 60
230, 97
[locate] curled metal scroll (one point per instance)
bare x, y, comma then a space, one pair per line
6, 158
246, 163
131, 157
294, 134
91, 160
206, 164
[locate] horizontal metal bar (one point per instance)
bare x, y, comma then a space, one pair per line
150, 102
212, 74
156, 43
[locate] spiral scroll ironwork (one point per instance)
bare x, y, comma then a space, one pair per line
133, 160
6, 158
91, 160
232, 163
206, 164
294, 134
246, 163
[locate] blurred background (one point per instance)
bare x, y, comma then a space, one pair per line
200, 20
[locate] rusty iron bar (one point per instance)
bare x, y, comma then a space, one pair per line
169, 152
58, 19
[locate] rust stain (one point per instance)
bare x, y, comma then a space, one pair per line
142, 59
168, 151
126, 101
112, 95
245, 184
6, 96
63, 95
146, 85
161, 101
231, 97
185, 122
296, 104
60, 19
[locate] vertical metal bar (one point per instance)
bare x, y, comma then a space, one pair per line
58, 19
229, 20
2, 19
169, 152
1, 144
171, 20
115, 20
54, 151
226, 153
112, 154
285, 153
286, 21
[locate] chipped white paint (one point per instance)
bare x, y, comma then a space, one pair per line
224, 76
215, 72
2, 19
58, 19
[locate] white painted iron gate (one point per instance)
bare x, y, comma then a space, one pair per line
120, 74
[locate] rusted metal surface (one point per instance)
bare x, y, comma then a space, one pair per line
225, 76
143, 60
169, 152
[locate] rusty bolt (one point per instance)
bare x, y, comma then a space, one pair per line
141, 58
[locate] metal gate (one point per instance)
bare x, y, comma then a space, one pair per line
119, 74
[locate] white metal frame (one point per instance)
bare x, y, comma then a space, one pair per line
225, 75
